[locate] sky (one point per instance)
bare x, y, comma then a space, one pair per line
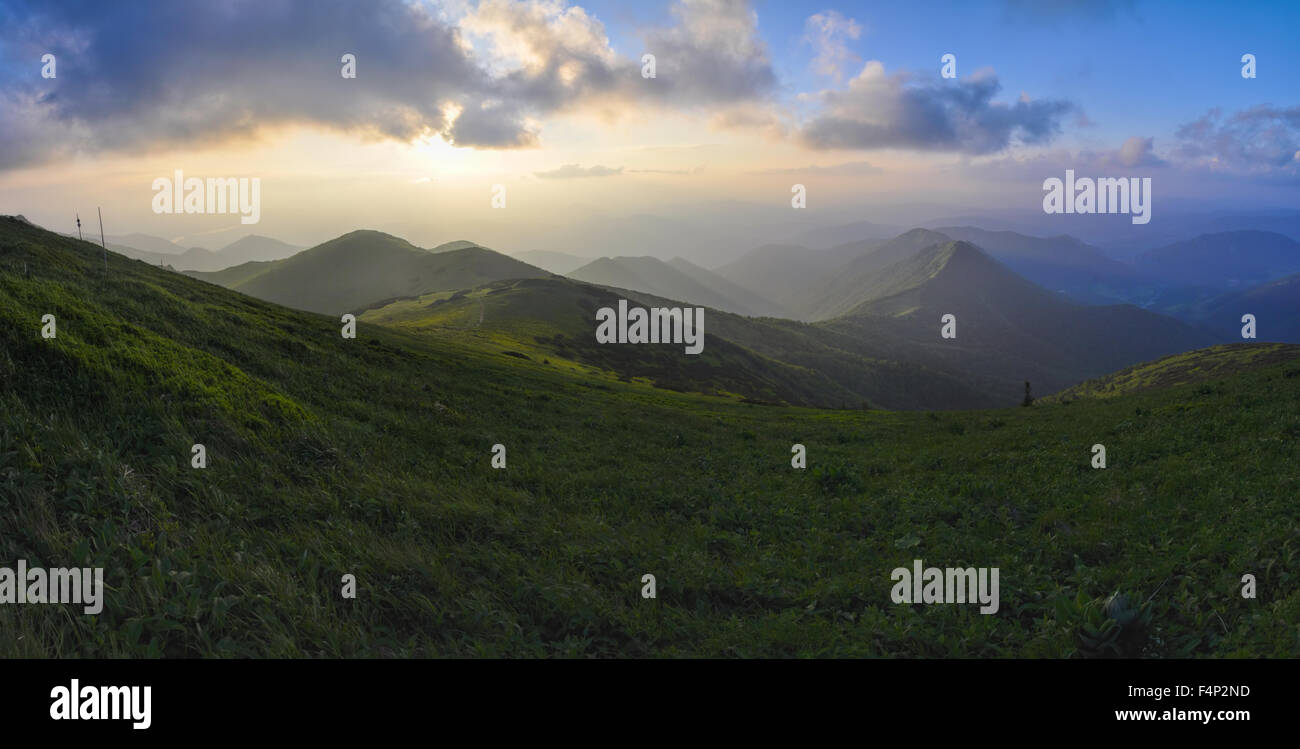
455, 99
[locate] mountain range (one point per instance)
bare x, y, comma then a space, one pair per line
1223, 260
874, 305
560, 263
1275, 305
1060, 263
676, 279
884, 350
366, 267
158, 251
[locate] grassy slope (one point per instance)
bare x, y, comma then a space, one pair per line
765, 359
234, 276
371, 457
552, 319
1188, 368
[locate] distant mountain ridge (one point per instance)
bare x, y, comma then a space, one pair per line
790, 275
840, 234
364, 267
1060, 263
823, 284
676, 279
556, 262
865, 277
158, 251
1222, 259
1275, 305
886, 351
1007, 327
146, 243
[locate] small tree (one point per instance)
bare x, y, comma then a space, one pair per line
1029, 399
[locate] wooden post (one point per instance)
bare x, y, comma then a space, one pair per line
102, 243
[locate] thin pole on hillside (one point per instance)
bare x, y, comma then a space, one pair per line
102, 243
79, 227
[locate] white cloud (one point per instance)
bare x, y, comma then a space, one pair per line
828, 34
572, 171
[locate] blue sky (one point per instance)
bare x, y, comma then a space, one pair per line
1136, 68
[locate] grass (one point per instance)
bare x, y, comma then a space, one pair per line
372, 457
1199, 366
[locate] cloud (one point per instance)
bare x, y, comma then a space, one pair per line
764, 118
1256, 140
690, 148
1137, 151
549, 55
676, 172
560, 56
712, 56
1135, 154
155, 74
491, 124
879, 110
572, 171
144, 75
850, 169
828, 33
